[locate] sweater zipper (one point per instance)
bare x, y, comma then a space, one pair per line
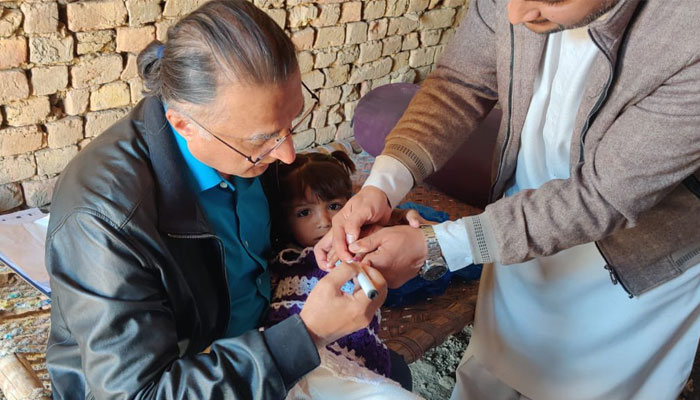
601, 99
614, 277
510, 114
223, 262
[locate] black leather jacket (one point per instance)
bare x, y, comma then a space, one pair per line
139, 284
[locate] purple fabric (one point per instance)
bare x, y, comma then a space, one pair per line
365, 345
377, 113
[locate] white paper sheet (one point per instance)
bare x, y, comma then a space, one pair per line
22, 239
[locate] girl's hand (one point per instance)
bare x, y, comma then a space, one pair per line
408, 217
368, 207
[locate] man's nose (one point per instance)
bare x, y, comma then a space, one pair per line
285, 152
519, 11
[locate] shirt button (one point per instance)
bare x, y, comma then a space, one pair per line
223, 185
259, 281
246, 243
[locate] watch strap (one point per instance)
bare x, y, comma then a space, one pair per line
434, 250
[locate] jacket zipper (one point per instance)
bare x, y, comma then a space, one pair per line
510, 113
614, 277
601, 99
223, 261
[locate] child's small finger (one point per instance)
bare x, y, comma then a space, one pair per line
332, 259
321, 251
414, 219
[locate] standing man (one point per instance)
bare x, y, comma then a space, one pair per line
593, 291
159, 229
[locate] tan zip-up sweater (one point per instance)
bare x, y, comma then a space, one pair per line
635, 149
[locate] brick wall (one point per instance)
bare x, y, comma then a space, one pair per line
68, 69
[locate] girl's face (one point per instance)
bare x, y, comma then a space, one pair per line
310, 218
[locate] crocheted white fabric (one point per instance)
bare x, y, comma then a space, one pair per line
338, 378
294, 285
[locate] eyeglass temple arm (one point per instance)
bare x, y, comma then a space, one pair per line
310, 91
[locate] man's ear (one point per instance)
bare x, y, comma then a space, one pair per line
181, 124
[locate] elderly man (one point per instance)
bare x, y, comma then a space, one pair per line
160, 229
593, 227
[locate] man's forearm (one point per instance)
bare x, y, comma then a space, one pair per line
453, 100
392, 177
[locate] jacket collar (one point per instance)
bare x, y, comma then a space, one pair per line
609, 32
178, 209
528, 48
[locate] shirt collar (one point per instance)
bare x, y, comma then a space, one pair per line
205, 176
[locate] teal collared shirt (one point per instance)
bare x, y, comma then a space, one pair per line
237, 212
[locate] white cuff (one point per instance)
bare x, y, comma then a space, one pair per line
454, 243
392, 177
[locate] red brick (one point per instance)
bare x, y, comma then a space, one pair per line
13, 169
13, 52
352, 12
40, 17
10, 20
20, 140
10, 197
39, 193
133, 40
51, 49
52, 161
64, 132
13, 86
26, 112
142, 11
93, 15
49, 80
92, 71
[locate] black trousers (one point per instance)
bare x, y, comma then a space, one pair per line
400, 371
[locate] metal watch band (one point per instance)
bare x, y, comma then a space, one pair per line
435, 265
432, 242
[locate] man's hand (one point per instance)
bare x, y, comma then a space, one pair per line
330, 313
398, 252
369, 206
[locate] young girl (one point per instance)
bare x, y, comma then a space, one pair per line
313, 188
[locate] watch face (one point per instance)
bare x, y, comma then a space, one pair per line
434, 272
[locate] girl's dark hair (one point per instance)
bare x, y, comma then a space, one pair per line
327, 175
221, 39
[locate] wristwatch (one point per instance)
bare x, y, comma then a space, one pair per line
435, 266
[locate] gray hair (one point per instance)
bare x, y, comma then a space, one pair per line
230, 39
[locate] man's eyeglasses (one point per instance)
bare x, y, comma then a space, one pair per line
278, 141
